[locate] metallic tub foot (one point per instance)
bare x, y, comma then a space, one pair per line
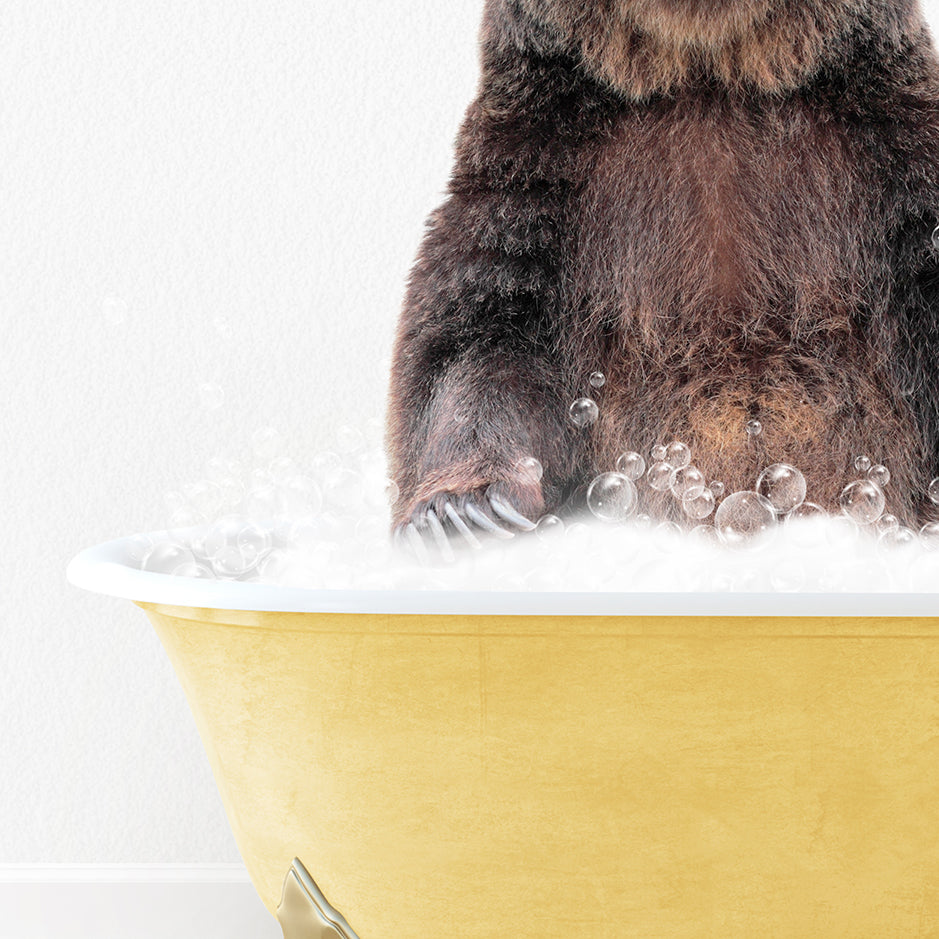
304, 913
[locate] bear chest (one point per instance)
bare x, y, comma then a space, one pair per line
701, 212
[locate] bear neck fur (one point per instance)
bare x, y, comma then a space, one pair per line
642, 48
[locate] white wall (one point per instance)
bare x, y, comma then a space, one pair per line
242, 185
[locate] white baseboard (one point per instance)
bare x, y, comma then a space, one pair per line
147, 901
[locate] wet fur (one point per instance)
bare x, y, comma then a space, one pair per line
729, 216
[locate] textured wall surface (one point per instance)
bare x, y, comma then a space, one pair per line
219, 191
212, 191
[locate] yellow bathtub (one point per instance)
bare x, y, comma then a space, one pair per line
546, 765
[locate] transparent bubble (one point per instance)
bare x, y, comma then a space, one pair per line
659, 453
529, 469
597, 380
677, 455
300, 495
754, 428
700, 505
783, 486
807, 510
182, 520
929, 536
194, 569
349, 440
705, 534
887, 523
211, 396
661, 476
175, 500
862, 464
743, 516
933, 491
205, 498
392, 492
138, 548
612, 497
222, 534
267, 443
632, 465
460, 416
899, 537
263, 503
584, 412
687, 483
166, 556
233, 561
253, 541
879, 474
325, 466
787, 575
935, 238
343, 492
717, 487
863, 501
549, 526
282, 467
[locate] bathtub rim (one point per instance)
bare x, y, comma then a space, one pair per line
103, 569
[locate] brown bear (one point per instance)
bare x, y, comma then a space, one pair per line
724, 206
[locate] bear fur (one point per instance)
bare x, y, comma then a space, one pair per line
726, 207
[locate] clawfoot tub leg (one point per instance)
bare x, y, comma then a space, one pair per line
304, 913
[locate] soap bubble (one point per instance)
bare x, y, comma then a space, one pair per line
935, 238
842, 531
863, 463
717, 487
325, 466
787, 575
700, 505
267, 443
887, 523
300, 495
194, 569
263, 503
211, 396
933, 491
705, 534
803, 524
743, 516
460, 416
343, 492
807, 510
597, 380
899, 537
349, 440
584, 412
233, 561
661, 476
138, 548
205, 498
929, 536
529, 470
659, 453
253, 540
632, 465
754, 428
879, 474
687, 483
165, 557
863, 501
549, 526
612, 497
677, 455
783, 486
